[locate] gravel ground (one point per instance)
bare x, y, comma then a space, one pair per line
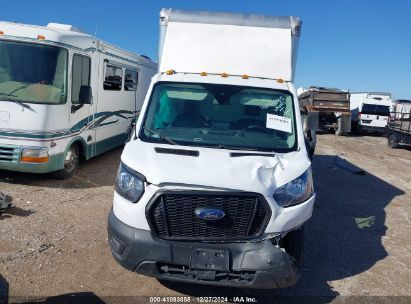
53, 243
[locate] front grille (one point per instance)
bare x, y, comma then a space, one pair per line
186, 273
171, 215
9, 154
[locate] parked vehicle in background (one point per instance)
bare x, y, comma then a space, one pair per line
331, 107
399, 124
217, 185
64, 95
370, 111
402, 106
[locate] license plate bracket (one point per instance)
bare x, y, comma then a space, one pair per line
210, 259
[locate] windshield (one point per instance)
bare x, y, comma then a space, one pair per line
224, 116
32, 73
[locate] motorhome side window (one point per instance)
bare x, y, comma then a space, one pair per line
81, 76
130, 80
113, 78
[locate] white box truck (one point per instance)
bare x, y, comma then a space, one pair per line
216, 185
64, 95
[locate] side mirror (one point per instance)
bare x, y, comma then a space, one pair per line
85, 95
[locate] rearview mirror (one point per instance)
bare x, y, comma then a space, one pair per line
86, 94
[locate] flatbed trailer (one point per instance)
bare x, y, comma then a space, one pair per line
399, 128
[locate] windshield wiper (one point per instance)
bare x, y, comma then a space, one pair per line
161, 136
241, 154
16, 101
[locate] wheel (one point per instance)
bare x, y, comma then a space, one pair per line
71, 161
310, 143
339, 131
4, 291
293, 243
392, 141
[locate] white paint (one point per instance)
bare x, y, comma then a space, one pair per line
4, 120
266, 52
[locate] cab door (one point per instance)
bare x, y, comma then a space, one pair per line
81, 110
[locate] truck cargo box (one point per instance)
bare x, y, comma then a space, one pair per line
259, 46
326, 99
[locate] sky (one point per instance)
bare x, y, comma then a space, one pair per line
357, 45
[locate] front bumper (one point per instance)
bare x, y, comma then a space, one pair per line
252, 264
56, 162
371, 128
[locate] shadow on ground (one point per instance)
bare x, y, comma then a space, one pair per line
96, 172
343, 237
4, 290
78, 298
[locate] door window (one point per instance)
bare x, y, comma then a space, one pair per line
81, 76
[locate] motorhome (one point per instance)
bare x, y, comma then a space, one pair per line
216, 184
64, 95
370, 111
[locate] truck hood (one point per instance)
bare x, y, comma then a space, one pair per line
214, 168
34, 119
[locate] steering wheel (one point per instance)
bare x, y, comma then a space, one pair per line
203, 120
195, 121
257, 128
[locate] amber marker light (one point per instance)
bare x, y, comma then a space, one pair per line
33, 155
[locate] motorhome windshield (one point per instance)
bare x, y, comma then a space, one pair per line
32, 73
223, 116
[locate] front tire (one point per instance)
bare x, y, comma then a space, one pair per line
392, 141
293, 243
71, 161
339, 131
4, 291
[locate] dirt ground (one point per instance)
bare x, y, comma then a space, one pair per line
53, 243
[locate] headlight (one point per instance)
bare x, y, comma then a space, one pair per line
296, 191
34, 155
129, 185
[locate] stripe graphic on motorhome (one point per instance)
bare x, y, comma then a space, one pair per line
91, 122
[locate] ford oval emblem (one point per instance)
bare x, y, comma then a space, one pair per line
209, 214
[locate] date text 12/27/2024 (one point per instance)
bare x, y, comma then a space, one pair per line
203, 299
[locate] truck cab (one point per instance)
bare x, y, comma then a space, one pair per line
216, 184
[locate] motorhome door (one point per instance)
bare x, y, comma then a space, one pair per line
81, 96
